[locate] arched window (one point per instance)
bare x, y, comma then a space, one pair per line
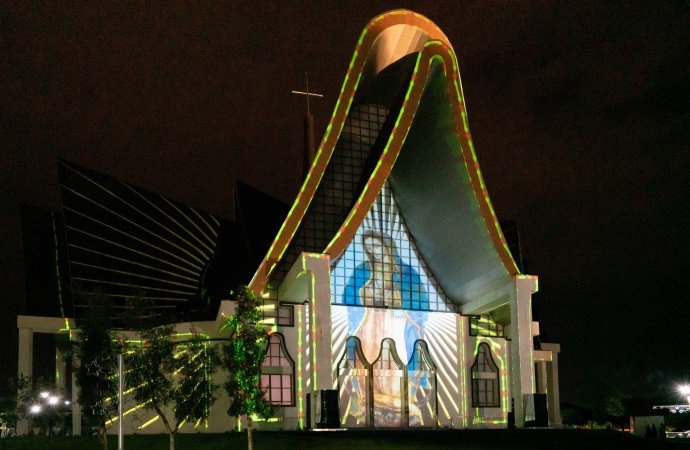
388, 381
277, 373
421, 386
485, 384
353, 385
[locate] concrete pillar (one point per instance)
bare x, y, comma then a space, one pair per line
553, 394
541, 377
76, 407
25, 367
320, 303
60, 370
522, 365
309, 278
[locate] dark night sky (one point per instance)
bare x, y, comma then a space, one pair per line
580, 113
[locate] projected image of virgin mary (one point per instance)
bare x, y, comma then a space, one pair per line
384, 280
392, 288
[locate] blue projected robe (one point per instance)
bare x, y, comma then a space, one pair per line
412, 293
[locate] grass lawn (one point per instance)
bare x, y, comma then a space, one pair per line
361, 440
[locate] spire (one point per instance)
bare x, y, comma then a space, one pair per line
309, 145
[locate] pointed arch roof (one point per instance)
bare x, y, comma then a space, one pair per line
424, 149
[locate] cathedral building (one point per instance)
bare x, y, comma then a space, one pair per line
393, 296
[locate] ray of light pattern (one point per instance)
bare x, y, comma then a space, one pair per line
439, 332
134, 208
419, 289
129, 221
121, 237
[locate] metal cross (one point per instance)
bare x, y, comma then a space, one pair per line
307, 94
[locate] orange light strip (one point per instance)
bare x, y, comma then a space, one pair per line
437, 48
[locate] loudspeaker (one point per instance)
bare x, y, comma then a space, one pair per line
330, 411
541, 411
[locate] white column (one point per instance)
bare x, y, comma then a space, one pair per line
522, 366
553, 394
76, 407
25, 367
320, 303
60, 370
541, 377
309, 278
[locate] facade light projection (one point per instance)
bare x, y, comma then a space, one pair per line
389, 292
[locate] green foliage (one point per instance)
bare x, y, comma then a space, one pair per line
613, 406
95, 352
43, 405
572, 416
169, 373
243, 355
678, 421
195, 392
8, 403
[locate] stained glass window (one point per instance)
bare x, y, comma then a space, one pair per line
277, 373
421, 387
339, 187
484, 325
352, 385
382, 267
485, 385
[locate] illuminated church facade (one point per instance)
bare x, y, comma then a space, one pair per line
389, 287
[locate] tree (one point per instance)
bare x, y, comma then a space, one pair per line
94, 355
43, 405
571, 416
8, 404
167, 373
243, 355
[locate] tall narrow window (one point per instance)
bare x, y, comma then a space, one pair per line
277, 373
388, 386
421, 387
353, 371
485, 385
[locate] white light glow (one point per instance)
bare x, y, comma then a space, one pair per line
44, 394
53, 400
35, 409
685, 390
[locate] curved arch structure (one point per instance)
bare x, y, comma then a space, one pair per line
445, 168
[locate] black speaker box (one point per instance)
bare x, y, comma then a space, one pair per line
330, 412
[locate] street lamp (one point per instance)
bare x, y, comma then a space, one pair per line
685, 391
